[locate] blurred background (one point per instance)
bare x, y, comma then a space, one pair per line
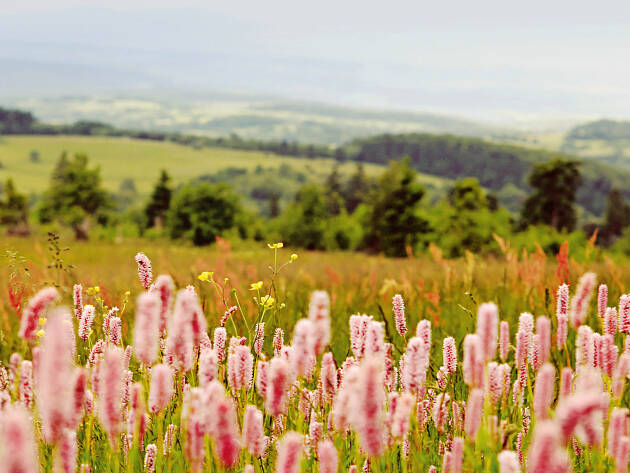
283, 103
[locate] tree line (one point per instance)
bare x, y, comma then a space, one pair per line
502, 168
385, 214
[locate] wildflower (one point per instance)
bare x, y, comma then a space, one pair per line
293, 257
149, 458
164, 289
253, 431
399, 425
545, 453
144, 270
206, 276
85, 324
474, 408
77, 299
279, 381
53, 391
19, 452
449, 355
66, 457
169, 438
262, 373
240, 368
544, 390
227, 314
457, 455
602, 300
146, 330
487, 325
399, 314
473, 363
208, 366
275, 246
327, 455
161, 390
40, 333
278, 341
423, 330
508, 462
579, 303
259, 330
289, 453
267, 301
220, 337
416, 362
255, 286
367, 416
180, 343
304, 356
34, 310
26, 384
617, 429
624, 314
224, 428
610, 321
358, 331
111, 391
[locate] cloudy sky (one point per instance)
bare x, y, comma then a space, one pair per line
487, 59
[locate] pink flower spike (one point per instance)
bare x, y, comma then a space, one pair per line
327, 455
77, 299
144, 270
602, 300
457, 455
253, 431
508, 462
399, 314
487, 328
449, 355
474, 408
543, 330
149, 458
289, 453
19, 452
610, 321
161, 390
579, 303
34, 310
146, 330
544, 390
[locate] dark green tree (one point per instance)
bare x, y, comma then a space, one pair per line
14, 209
467, 194
555, 184
334, 190
75, 195
303, 223
356, 189
201, 212
393, 223
274, 204
617, 217
159, 202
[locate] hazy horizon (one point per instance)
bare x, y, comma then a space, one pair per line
488, 61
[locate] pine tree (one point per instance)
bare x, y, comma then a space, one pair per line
159, 201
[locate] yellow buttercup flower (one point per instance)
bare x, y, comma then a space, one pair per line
205, 276
40, 333
42, 320
293, 257
255, 286
267, 301
275, 246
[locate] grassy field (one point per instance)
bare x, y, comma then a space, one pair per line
142, 160
509, 422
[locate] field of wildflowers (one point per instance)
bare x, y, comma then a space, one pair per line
268, 361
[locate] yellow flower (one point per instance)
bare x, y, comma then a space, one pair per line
42, 320
40, 333
293, 257
255, 286
267, 301
205, 276
127, 293
275, 246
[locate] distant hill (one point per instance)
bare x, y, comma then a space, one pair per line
606, 141
499, 167
601, 130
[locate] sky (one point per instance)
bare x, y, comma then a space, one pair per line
492, 60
